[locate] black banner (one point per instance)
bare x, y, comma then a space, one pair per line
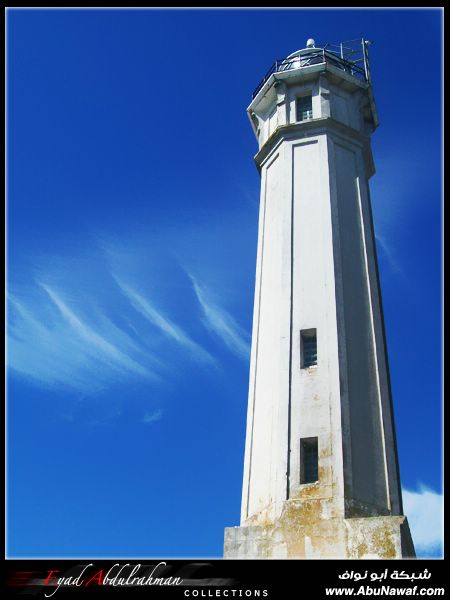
230, 579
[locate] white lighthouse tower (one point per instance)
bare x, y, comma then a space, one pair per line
321, 477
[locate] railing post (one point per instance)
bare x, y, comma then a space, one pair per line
366, 61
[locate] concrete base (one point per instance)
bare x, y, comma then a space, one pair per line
366, 537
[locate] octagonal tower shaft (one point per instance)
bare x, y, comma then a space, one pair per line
320, 441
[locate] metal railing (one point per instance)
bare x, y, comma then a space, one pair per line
345, 56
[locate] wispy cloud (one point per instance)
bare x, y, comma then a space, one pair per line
220, 322
39, 351
79, 322
389, 255
152, 417
50, 343
106, 350
169, 328
424, 509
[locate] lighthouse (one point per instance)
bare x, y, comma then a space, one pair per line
321, 474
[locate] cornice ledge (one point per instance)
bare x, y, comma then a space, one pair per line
306, 129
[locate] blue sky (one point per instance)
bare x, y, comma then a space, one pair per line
132, 228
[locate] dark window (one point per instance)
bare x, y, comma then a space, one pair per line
309, 460
304, 108
308, 350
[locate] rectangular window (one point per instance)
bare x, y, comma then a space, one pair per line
304, 108
309, 460
308, 349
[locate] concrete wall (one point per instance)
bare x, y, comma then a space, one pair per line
266, 448
363, 447
294, 291
315, 399
292, 537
